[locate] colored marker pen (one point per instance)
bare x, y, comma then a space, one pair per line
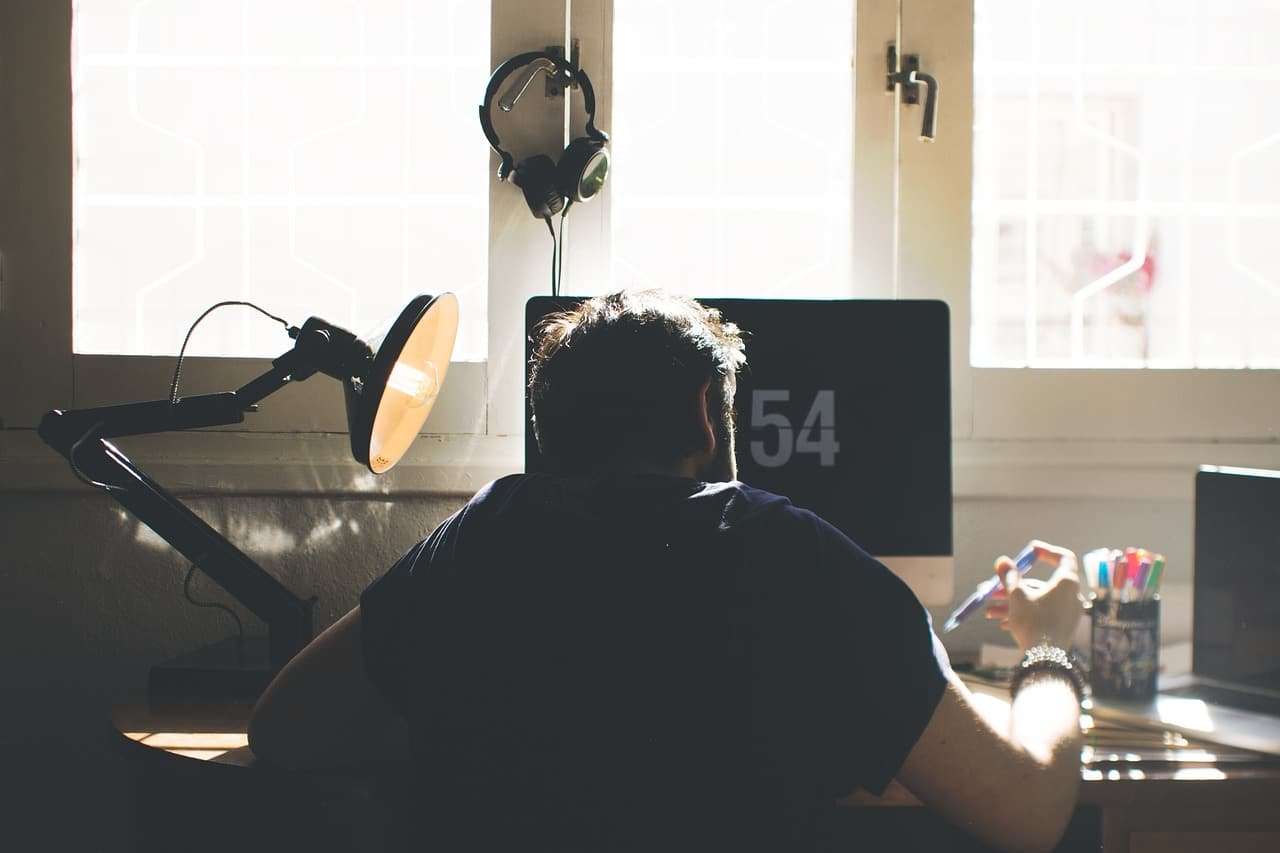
1093, 563
1144, 571
1153, 579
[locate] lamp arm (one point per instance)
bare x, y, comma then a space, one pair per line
294, 366
80, 433
61, 427
193, 412
287, 616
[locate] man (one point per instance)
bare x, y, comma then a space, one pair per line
638, 653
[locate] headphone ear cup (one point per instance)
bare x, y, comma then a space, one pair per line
536, 178
582, 169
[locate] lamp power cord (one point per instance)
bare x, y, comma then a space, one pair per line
216, 605
173, 401
177, 370
91, 432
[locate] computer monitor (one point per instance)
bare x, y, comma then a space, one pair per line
1236, 619
845, 408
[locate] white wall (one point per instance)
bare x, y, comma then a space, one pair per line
987, 527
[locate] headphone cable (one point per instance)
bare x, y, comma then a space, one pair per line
560, 250
557, 250
555, 247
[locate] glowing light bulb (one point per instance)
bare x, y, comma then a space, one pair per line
420, 386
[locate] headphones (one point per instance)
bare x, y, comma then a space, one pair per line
549, 186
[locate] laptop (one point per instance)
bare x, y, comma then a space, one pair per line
1232, 694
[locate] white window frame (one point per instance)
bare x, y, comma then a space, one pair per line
1019, 433
1229, 409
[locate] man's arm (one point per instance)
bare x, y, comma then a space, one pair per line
1014, 788
1013, 783
323, 712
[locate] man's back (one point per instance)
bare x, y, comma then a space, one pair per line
646, 662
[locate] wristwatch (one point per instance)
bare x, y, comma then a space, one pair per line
1048, 658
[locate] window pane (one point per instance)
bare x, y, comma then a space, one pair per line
1126, 184
313, 156
733, 147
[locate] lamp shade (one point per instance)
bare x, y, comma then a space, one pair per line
387, 406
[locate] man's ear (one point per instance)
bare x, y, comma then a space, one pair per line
705, 421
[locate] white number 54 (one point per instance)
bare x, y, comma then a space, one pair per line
817, 434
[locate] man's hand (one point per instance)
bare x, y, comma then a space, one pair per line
1034, 611
968, 760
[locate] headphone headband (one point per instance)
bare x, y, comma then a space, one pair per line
505, 70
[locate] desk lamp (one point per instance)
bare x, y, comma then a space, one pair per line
390, 386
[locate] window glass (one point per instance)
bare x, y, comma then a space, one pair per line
314, 156
1126, 184
733, 147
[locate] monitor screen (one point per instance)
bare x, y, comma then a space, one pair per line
845, 408
1236, 622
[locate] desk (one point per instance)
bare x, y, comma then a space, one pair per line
1158, 790
200, 788
1154, 790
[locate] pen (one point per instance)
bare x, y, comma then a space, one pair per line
1093, 562
1153, 579
1144, 570
1025, 560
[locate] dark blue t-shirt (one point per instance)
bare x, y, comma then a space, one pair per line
646, 663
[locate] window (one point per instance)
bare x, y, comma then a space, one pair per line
739, 131
733, 141
1126, 184
314, 157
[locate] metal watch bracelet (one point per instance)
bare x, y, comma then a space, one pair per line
1047, 658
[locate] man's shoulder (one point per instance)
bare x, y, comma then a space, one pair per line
516, 494
746, 503
728, 506
775, 518
498, 491
836, 549
739, 504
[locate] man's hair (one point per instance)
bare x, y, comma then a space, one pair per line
613, 381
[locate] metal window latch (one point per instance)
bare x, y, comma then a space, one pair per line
909, 76
556, 79
555, 84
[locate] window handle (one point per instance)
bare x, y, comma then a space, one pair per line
516, 89
911, 78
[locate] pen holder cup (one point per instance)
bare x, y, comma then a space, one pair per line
1125, 640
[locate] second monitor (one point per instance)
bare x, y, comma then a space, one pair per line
844, 407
